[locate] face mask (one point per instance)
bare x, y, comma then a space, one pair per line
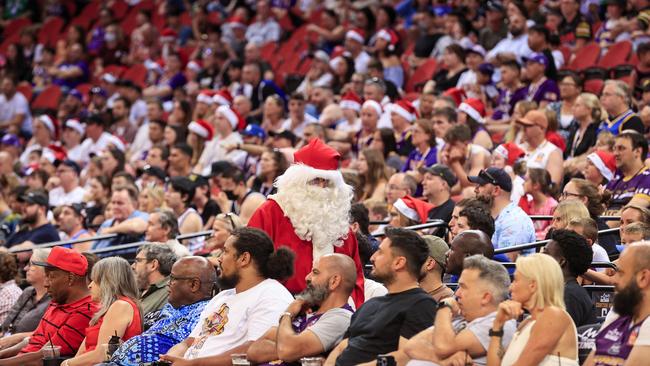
231, 195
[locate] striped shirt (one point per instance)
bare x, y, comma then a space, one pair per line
65, 324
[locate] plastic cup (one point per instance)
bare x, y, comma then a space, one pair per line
239, 359
311, 361
51, 351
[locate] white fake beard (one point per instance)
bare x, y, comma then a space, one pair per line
320, 215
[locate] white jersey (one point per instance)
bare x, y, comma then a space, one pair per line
538, 158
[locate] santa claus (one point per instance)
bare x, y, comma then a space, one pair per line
310, 213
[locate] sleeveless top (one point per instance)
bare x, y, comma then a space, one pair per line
614, 343
519, 340
615, 126
194, 244
134, 329
538, 158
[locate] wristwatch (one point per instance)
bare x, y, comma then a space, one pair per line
496, 333
286, 313
444, 304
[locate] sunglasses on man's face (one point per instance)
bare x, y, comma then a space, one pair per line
487, 177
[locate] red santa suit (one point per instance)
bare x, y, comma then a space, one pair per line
316, 160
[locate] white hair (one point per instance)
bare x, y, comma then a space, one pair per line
320, 215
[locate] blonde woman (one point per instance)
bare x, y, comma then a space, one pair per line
151, 199
224, 224
114, 287
548, 336
566, 211
588, 114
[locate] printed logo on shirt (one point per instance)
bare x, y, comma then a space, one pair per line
213, 325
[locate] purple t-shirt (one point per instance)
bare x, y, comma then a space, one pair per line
415, 157
72, 83
546, 92
506, 102
623, 190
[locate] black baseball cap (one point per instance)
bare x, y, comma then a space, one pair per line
71, 164
36, 198
442, 171
495, 176
285, 134
155, 172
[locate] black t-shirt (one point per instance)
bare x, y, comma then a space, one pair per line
380, 322
43, 234
442, 212
424, 45
634, 123
579, 304
211, 209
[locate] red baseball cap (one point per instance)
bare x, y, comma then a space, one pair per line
66, 260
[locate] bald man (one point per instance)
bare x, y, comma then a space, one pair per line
465, 244
190, 288
298, 335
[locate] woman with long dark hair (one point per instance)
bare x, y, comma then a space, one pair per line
373, 174
273, 163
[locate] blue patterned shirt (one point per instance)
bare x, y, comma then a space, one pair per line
512, 227
172, 327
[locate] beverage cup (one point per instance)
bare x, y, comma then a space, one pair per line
51, 355
239, 359
311, 361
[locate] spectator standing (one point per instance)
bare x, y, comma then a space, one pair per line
574, 255
383, 322
250, 302
627, 323
511, 224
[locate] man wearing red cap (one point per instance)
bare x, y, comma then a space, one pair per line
310, 213
67, 316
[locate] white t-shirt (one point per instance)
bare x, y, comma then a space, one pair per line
58, 196
298, 130
372, 289
215, 150
231, 319
16, 105
600, 255
91, 147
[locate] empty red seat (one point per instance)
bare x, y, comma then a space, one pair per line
50, 30
594, 86
26, 90
48, 99
115, 70
137, 74
617, 54
84, 88
421, 75
15, 26
585, 57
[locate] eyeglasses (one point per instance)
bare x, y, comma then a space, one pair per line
483, 174
173, 278
565, 195
138, 260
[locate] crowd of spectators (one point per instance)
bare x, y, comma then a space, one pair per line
406, 147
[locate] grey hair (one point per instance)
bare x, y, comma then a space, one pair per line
493, 273
164, 254
168, 221
40, 254
622, 89
115, 278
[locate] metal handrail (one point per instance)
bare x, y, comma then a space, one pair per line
64, 242
431, 224
549, 217
592, 265
541, 243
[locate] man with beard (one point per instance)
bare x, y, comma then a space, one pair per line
512, 226
70, 222
516, 44
250, 302
152, 266
34, 214
189, 293
385, 322
301, 334
310, 213
624, 338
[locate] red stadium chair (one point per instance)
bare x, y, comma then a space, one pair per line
48, 98
267, 52
144, 4
421, 75
119, 8
130, 22
115, 70
137, 74
15, 26
585, 57
50, 31
594, 86
617, 54
84, 88
13, 38
304, 66
26, 90
91, 11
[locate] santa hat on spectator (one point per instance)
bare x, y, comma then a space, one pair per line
236, 121
413, 208
350, 100
356, 34
604, 162
202, 128
389, 36
474, 108
74, 124
222, 97
193, 66
168, 35
457, 93
54, 153
374, 105
509, 151
51, 125
205, 96
405, 109
236, 22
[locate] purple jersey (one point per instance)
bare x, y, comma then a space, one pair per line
430, 157
506, 103
615, 341
547, 91
624, 189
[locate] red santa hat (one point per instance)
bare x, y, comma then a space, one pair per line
236, 22
76, 125
236, 121
51, 125
202, 128
457, 93
474, 108
222, 97
413, 208
509, 151
388, 35
356, 34
55, 153
205, 96
350, 100
604, 162
374, 105
318, 155
168, 35
194, 66
405, 109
